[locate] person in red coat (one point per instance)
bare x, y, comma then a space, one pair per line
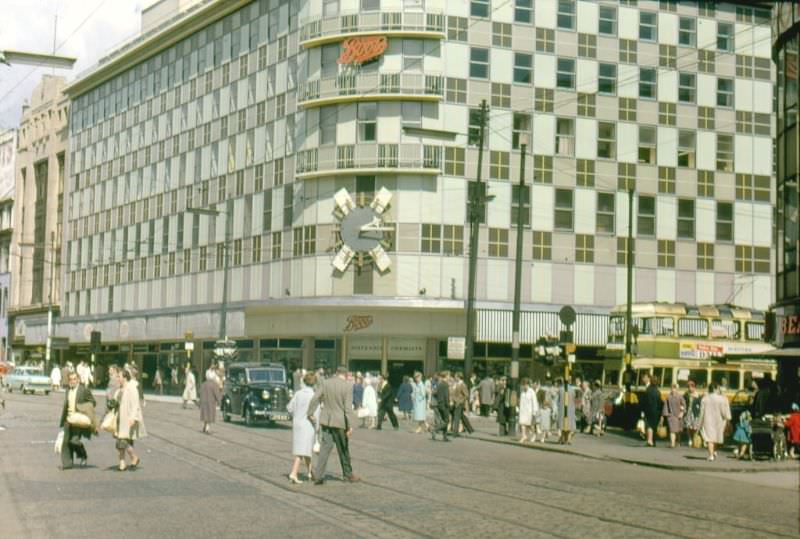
792, 424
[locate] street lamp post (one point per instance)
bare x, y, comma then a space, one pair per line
223, 347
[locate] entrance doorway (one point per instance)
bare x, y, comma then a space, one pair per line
365, 366
398, 369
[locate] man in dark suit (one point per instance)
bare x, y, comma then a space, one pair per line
460, 400
76, 395
386, 403
441, 412
335, 395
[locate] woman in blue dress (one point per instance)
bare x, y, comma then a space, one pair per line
405, 397
420, 399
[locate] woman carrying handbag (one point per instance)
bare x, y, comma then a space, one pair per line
304, 438
130, 422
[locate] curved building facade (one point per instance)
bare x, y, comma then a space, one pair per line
335, 142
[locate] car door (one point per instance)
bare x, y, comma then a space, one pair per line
236, 377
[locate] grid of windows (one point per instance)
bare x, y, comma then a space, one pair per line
584, 248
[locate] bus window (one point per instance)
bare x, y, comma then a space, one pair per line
692, 327
700, 377
726, 379
611, 377
750, 377
640, 376
658, 326
664, 375
754, 331
725, 329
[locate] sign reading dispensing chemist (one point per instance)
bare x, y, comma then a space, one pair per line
372, 348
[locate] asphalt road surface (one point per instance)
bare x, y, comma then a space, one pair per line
233, 484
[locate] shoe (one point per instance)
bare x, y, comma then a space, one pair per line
121, 468
295, 480
710, 459
82, 463
68, 467
319, 481
352, 479
136, 464
446, 439
378, 428
396, 429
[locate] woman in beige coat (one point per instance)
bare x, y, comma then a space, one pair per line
130, 425
715, 412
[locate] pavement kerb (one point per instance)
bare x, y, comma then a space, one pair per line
608, 458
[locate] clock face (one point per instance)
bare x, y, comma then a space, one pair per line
362, 231
351, 230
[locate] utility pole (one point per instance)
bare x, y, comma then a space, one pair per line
518, 277
518, 271
477, 202
49, 346
628, 316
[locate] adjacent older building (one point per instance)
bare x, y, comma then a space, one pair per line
332, 146
8, 152
38, 218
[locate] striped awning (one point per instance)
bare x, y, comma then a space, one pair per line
589, 329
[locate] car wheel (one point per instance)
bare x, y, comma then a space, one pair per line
249, 420
226, 417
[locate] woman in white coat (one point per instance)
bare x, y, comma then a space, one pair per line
528, 410
303, 431
370, 402
130, 423
715, 412
190, 387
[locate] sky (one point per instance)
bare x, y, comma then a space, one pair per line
86, 30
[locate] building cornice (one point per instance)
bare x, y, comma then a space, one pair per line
152, 45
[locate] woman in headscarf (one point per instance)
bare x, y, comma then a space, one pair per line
370, 402
405, 402
210, 397
673, 411
303, 431
130, 422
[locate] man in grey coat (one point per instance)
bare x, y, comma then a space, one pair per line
335, 395
486, 394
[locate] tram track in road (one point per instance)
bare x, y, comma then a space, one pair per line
539, 483
630, 507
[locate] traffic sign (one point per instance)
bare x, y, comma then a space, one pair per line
567, 315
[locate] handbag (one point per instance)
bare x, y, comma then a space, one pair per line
697, 440
662, 431
316, 447
79, 420
59, 442
362, 413
109, 423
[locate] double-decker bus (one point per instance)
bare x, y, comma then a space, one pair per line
676, 343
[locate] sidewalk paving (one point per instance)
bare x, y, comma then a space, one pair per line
620, 446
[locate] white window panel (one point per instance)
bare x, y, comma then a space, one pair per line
276, 280
743, 223
743, 95
455, 118
762, 292
501, 65
706, 90
544, 125
762, 225
704, 287
667, 144
322, 277
224, 104
430, 270
744, 148
668, 28
389, 126
627, 142
665, 285
345, 127
585, 138
761, 89
455, 52
408, 207
587, 17
452, 276
497, 280
666, 221
744, 38
621, 214
545, 12
501, 122
173, 232
628, 80
238, 218
705, 211
621, 280
762, 152
277, 209
584, 284
668, 86
762, 42
407, 275
431, 201
280, 137
309, 268
585, 211
259, 142
706, 33
586, 76
543, 209
628, 26
541, 282
707, 156
544, 70
498, 215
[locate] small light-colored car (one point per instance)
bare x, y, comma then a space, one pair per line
28, 379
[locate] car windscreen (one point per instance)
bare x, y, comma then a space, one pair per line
259, 376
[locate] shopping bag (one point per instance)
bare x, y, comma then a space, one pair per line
59, 442
662, 431
697, 441
316, 447
79, 420
109, 423
362, 413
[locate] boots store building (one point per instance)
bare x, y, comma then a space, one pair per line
331, 145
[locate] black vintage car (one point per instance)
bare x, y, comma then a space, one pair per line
256, 392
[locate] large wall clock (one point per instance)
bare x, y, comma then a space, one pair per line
362, 231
